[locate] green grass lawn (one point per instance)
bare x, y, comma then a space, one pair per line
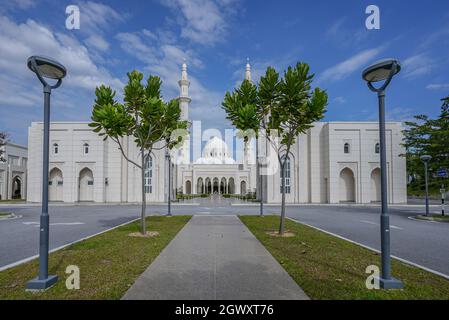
13, 201
109, 263
434, 217
4, 214
326, 267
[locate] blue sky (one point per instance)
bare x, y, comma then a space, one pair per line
216, 37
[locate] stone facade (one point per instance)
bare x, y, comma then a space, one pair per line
338, 162
334, 162
13, 172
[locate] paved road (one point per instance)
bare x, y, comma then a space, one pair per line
215, 258
422, 242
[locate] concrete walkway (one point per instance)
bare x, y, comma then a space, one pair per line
215, 258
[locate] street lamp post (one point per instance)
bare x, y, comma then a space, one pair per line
167, 156
426, 159
383, 71
260, 160
45, 68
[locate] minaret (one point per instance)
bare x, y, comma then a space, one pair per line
184, 99
247, 148
248, 70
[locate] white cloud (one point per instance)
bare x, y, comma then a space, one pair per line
339, 100
95, 17
417, 65
344, 36
438, 86
164, 60
19, 87
133, 44
95, 20
98, 42
202, 21
400, 114
12, 5
347, 67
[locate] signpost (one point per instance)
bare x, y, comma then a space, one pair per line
442, 173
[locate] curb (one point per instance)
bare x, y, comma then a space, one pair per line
372, 249
11, 216
17, 263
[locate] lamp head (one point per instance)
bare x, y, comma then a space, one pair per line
46, 67
426, 158
381, 70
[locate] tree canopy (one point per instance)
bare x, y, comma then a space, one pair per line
144, 115
279, 108
427, 136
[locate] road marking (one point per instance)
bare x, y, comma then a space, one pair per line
369, 222
14, 264
37, 224
372, 249
376, 224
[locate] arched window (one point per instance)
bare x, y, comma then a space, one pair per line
347, 148
287, 176
377, 148
86, 148
148, 175
55, 148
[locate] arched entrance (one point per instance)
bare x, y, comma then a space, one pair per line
208, 186
375, 193
347, 185
231, 186
16, 188
243, 188
188, 187
86, 185
200, 186
223, 186
55, 185
215, 185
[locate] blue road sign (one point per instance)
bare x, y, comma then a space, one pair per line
442, 173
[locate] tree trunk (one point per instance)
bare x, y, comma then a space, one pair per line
282, 223
142, 213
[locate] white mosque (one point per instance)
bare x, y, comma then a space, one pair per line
335, 162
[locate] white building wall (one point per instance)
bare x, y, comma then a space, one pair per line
104, 159
319, 159
15, 166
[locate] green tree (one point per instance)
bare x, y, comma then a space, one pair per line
143, 115
241, 110
283, 109
295, 108
427, 136
3, 141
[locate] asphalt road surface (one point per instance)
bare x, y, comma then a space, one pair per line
422, 242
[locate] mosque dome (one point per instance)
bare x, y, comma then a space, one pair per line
216, 151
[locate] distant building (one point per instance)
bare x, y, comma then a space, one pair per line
13, 172
338, 162
334, 162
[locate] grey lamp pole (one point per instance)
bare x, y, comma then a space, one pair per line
167, 156
259, 164
380, 71
259, 178
45, 68
426, 159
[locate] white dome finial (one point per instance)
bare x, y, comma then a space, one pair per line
184, 70
248, 70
